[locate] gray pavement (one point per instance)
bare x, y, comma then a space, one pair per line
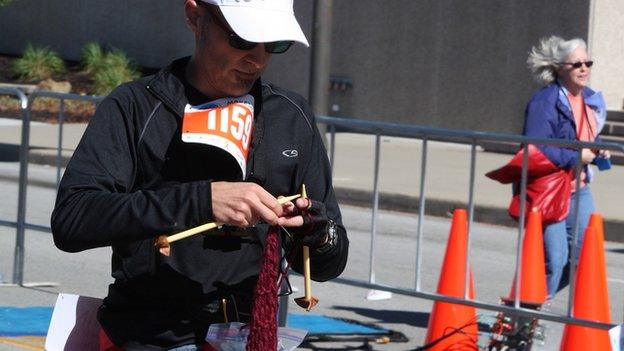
492, 260
447, 180
492, 247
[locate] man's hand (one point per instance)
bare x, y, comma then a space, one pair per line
244, 204
312, 215
292, 213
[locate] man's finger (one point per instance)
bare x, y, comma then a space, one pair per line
303, 203
296, 221
288, 208
269, 201
262, 205
265, 213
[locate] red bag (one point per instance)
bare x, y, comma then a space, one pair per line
548, 187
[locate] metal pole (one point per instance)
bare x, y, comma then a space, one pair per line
18, 257
59, 154
321, 60
508, 310
473, 160
421, 210
332, 147
371, 272
282, 312
523, 184
575, 228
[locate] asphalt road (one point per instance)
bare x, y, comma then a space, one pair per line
492, 259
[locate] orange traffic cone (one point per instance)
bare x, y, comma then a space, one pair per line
459, 322
588, 300
596, 222
532, 275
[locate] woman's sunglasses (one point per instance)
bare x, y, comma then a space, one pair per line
579, 64
275, 47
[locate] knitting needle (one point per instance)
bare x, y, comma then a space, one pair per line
307, 301
163, 242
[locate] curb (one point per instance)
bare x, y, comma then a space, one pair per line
444, 208
48, 157
36, 155
364, 198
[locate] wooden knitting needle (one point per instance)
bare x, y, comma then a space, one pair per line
307, 301
163, 242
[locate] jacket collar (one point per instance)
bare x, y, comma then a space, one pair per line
588, 93
167, 85
563, 104
593, 99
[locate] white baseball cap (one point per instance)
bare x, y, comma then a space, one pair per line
261, 21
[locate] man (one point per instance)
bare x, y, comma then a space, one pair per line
202, 140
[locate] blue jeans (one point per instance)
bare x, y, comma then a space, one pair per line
558, 241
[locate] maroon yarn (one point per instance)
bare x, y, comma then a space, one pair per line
263, 325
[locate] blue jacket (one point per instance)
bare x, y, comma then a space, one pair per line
549, 115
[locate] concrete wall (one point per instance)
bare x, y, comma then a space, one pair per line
448, 63
452, 63
292, 69
606, 41
151, 32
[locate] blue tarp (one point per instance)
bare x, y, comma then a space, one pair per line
24, 321
322, 325
34, 321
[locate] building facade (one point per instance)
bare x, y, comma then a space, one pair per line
444, 63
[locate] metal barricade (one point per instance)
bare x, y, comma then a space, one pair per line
21, 225
18, 255
62, 97
472, 138
378, 129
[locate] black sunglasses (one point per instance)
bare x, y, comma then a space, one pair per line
579, 64
275, 47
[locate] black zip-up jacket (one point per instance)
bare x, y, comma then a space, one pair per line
132, 178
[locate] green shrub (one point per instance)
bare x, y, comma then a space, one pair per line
107, 69
118, 60
92, 57
4, 2
115, 70
37, 64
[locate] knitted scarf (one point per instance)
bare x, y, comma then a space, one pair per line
263, 325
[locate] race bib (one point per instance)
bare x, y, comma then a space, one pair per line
224, 123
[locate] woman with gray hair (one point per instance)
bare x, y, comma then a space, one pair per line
565, 108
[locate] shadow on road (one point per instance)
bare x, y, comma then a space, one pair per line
414, 319
9, 153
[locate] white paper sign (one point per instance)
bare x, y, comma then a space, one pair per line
74, 324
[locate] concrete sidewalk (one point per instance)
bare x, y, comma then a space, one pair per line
447, 176
447, 180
